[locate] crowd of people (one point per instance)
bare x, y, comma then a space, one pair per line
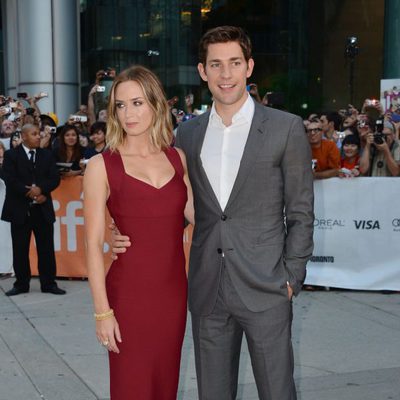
248, 256
352, 143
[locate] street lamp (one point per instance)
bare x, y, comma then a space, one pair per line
350, 53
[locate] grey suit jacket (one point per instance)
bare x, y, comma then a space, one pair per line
264, 235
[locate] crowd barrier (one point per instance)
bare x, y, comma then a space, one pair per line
356, 233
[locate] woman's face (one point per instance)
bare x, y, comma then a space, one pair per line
133, 111
102, 116
98, 137
83, 140
70, 138
350, 150
45, 137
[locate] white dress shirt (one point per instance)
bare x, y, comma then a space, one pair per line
223, 149
27, 150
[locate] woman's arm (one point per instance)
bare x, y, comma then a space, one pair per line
189, 209
95, 194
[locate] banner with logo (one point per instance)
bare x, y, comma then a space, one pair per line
69, 231
356, 234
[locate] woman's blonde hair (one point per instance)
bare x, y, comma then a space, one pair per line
161, 128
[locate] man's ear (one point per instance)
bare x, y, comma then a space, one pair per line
202, 71
250, 66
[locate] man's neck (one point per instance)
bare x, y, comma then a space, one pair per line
329, 133
227, 111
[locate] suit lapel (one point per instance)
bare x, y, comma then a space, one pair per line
23, 156
255, 142
199, 135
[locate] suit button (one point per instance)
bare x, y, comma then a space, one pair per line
224, 217
219, 250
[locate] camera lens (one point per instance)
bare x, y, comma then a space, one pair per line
379, 139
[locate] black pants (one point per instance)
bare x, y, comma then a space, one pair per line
44, 237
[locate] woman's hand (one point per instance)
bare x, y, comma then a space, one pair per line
108, 334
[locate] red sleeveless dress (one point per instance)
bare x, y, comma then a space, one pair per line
147, 285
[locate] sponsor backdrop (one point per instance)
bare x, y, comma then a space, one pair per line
356, 234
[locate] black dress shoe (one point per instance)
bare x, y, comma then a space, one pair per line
54, 290
14, 291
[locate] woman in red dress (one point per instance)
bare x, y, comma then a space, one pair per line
140, 303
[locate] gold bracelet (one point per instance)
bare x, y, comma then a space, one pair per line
103, 316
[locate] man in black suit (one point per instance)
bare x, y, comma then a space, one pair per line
30, 174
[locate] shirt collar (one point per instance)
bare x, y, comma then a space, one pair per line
27, 149
246, 112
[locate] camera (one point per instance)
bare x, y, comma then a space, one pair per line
7, 109
53, 129
79, 118
22, 95
379, 137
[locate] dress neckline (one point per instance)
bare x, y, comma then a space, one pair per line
145, 182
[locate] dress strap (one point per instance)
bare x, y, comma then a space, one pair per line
114, 168
175, 159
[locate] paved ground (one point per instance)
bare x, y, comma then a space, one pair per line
347, 346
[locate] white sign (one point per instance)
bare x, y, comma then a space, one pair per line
356, 234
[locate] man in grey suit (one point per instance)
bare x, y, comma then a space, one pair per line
250, 170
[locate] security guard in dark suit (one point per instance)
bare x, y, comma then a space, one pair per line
30, 174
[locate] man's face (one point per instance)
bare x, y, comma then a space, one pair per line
31, 138
7, 128
314, 132
325, 125
226, 71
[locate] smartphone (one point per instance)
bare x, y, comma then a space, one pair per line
79, 118
101, 89
248, 87
22, 95
13, 104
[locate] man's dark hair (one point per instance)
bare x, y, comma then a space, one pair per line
224, 34
333, 116
98, 126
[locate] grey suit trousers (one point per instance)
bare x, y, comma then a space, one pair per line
218, 338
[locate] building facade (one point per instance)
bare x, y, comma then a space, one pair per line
299, 46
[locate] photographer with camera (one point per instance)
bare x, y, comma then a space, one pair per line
98, 95
381, 155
